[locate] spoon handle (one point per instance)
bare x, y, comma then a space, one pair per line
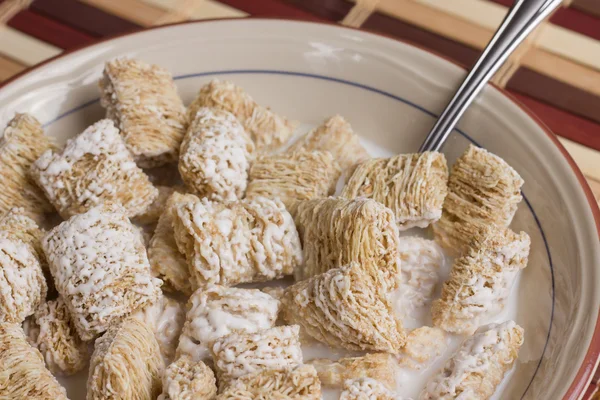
521, 19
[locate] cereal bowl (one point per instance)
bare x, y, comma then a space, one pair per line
390, 92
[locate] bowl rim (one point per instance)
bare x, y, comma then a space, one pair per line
590, 363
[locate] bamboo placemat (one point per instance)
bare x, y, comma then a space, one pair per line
556, 72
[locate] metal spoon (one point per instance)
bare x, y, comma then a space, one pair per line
521, 19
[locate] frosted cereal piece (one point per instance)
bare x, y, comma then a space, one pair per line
482, 190
243, 353
126, 363
188, 380
367, 389
23, 375
478, 366
52, 332
166, 318
22, 142
166, 261
100, 268
299, 383
16, 224
378, 366
423, 345
22, 284
247, 241
93, 168
481, 280
336, 136
143, 102
217, 311
151, 215
293, 177
268, 130
413, 186
345, 307
215, 155
274, 291
422, 262
336, 231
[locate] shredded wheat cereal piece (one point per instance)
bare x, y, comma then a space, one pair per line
151, 215
299, 383
166, 261
22, 143
478, 366
274, 291
268, 130
126, 363
482, 190
423, 345
378, 366
243, 353
481, 280
100, 268
336, 231
293, 177
166, 318
215, 155
345, 307
336, 136
22, 284
52, 332
422, 263
93, 168
143, 102
23, 375
16, 224
367, 389
247, 241
217, 311
413, 186
186, 379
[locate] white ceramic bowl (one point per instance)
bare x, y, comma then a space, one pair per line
390, 91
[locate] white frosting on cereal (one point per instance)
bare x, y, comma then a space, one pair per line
217, 311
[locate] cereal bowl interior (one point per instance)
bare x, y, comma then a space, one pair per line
390, 92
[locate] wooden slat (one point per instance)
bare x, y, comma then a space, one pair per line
136, 11
458, 52
183, 10
214, 9
9, 68
561, 69
586, 158
83, 17
472, 35
555, 39
23, 48
577, 21
595, 186
588, 6
569, 126
48, 30
559, 94
331, 10
270, 8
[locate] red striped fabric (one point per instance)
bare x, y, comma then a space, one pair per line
270, 8
49, 30
83, 17
572, 127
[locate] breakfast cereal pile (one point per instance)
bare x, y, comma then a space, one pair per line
214, 284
